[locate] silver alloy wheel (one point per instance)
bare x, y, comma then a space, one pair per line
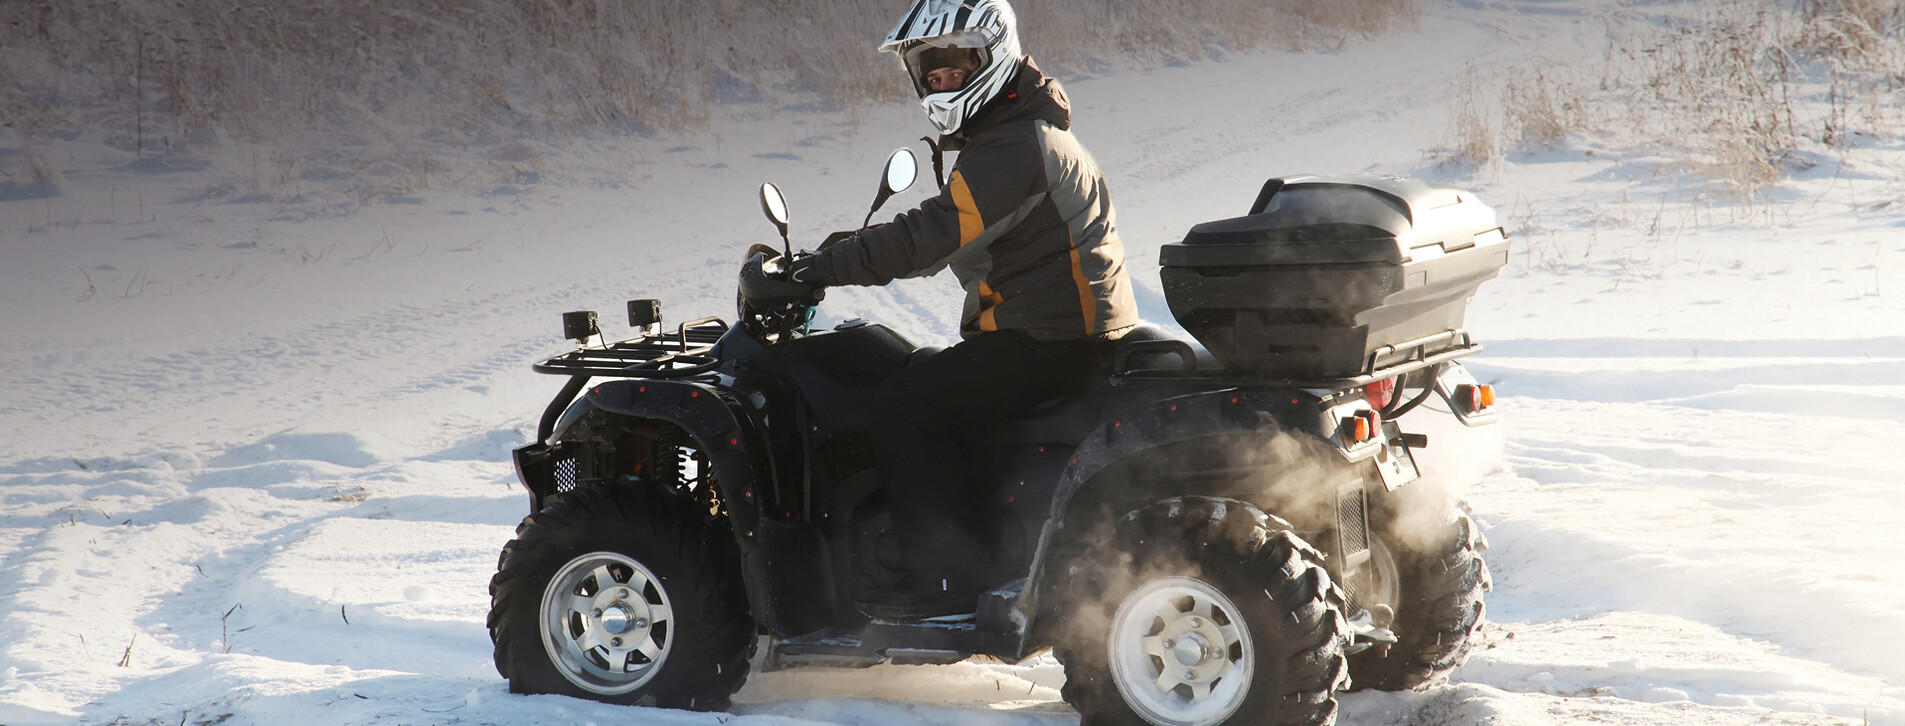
1180, 653
607, 623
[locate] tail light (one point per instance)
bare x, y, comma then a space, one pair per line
1472, 402
1381, 392
1476, 396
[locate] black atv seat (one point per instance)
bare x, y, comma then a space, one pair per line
1068, 420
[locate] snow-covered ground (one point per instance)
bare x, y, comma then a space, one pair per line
256, 442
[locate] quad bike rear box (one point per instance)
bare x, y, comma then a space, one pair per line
1333, 276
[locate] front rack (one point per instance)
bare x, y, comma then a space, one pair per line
661, 355
1386, 362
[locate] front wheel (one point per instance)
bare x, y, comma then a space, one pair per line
624, 593
1205, 612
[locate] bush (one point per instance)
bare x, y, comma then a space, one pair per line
1729, 87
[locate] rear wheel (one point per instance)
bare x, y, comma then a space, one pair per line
622, 592
1437, 579
1204, 613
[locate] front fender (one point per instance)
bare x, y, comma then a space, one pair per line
713, 419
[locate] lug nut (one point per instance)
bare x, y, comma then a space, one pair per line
641, 622
616, 642
623, 594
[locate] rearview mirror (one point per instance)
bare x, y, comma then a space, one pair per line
775, 206
902, 169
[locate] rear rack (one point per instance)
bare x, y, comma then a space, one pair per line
1388, 361
660, 355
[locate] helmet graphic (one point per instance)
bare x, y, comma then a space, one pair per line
985, 35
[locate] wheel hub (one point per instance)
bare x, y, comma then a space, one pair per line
1192, 641
1191, 650
1180, 653
602, 623
618, 618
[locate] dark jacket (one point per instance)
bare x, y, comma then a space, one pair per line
1024, 221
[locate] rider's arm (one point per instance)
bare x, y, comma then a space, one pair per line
991, 190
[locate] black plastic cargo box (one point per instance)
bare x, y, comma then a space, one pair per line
1326, 271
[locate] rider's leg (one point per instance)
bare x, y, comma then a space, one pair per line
925, 412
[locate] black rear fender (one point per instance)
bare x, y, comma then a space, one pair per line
1279, 450
1174, 438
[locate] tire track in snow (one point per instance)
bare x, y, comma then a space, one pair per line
1733, 520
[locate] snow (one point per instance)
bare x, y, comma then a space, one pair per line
256, 467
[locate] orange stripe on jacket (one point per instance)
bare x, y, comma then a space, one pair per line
970, 223
988, 319
1086, 301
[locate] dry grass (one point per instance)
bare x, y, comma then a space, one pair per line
1860, 33
1475, 139
1355, 17
1540, 105
1720, 88
1731, 88
159, 75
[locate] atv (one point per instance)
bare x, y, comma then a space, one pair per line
1216, 534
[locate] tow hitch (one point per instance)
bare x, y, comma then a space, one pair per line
1364, 632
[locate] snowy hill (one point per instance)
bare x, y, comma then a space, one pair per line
256, 462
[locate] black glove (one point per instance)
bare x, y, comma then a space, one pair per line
764, 290
815, 270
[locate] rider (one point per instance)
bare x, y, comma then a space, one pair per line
1025, 223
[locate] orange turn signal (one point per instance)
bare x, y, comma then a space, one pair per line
1361, 427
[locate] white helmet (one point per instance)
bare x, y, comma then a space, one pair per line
986, 27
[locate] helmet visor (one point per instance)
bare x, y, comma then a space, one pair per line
965, 50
